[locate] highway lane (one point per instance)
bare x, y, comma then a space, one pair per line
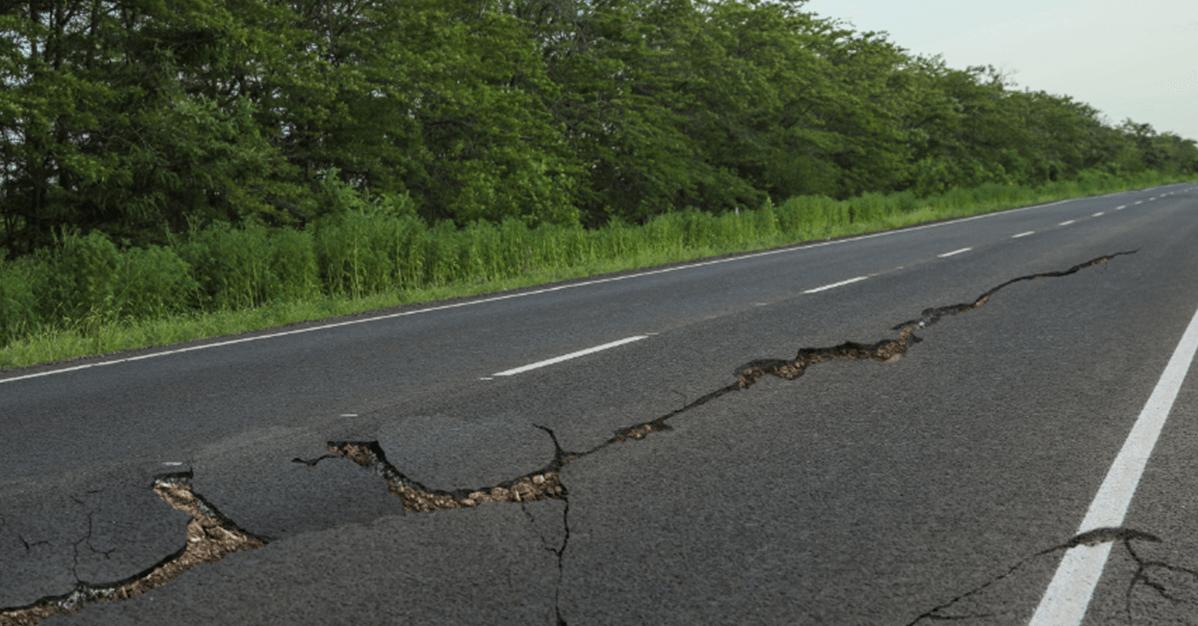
238, 414
320, 367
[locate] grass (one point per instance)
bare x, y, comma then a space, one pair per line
92, 299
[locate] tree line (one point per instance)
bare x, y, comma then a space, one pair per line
142, 118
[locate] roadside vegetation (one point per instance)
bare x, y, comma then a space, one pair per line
175, 169
86, 296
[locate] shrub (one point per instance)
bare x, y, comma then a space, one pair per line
76, 280
152, 283
293, 265
232, 267
18, 303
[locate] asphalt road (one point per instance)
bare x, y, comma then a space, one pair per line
945, 483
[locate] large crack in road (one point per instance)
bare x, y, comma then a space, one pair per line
418, 498
211, 536
545, 482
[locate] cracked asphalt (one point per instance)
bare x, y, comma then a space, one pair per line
771, 451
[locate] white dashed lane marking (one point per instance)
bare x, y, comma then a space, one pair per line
567, 357
835, 285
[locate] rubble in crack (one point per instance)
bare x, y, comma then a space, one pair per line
210, 537
886, 351
545, 483
640, 431
540, 485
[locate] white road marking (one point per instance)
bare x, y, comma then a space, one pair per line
954, 252
349, 415
1140, 202
567, 357
1066, 223
1030, 232
172, 463
835, 285
486, 378
1068, 595
1120, 208
1098, 214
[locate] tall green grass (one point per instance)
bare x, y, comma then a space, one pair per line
87, 296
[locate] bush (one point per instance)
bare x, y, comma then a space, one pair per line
152, 283
812, 214
18, 304
232, 267
76, 280
293, 265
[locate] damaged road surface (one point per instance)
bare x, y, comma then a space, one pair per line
210, 536
770, 452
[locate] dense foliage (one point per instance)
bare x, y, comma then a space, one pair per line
87, 296
142, 118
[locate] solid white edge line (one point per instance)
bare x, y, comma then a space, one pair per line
953, 252
1030, 232
795, 248
835, 285
1068, 595
567, 357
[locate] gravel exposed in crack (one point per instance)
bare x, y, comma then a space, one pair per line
539, 485
210, 536
545, 483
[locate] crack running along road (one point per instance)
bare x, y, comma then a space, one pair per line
212, 536
545, 482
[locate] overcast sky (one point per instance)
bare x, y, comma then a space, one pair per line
1133, 59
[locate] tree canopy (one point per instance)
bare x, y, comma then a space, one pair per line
140, 118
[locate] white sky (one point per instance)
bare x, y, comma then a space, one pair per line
1126, 58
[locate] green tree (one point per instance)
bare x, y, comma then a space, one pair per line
102, 131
